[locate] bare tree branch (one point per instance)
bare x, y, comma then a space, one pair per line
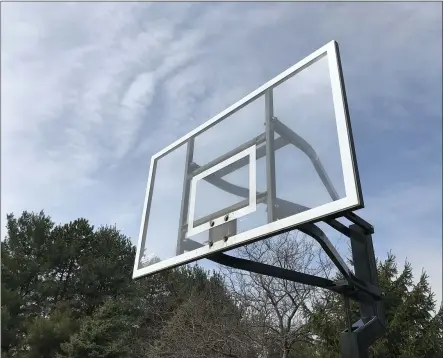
277, 309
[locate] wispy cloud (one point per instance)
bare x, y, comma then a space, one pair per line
91, 91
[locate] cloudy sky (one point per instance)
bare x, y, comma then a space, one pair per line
91, 90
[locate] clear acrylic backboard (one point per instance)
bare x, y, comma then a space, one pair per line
280, 157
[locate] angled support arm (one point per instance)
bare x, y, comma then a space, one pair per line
269, 270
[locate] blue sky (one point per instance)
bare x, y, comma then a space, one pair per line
91, 90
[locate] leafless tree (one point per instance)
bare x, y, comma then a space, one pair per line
276, 307
204, 326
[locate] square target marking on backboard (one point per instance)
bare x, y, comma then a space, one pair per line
227, 214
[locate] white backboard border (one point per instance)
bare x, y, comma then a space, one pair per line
352, 201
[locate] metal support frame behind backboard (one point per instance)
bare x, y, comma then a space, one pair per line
269, 155
185, 195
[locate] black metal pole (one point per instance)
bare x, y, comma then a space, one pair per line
355, 343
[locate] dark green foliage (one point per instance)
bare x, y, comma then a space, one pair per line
67, 292
12, 318
185, 281
108, 333
22, 254
413, 329
45, 334
53, 276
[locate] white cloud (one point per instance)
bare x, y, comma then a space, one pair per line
91, 91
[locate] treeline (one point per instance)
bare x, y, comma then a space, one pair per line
67, 292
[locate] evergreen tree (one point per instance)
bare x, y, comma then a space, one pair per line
53, 276
108, 333
67, 292
45, 334
413, 328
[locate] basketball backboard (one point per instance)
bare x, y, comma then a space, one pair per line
280, 157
